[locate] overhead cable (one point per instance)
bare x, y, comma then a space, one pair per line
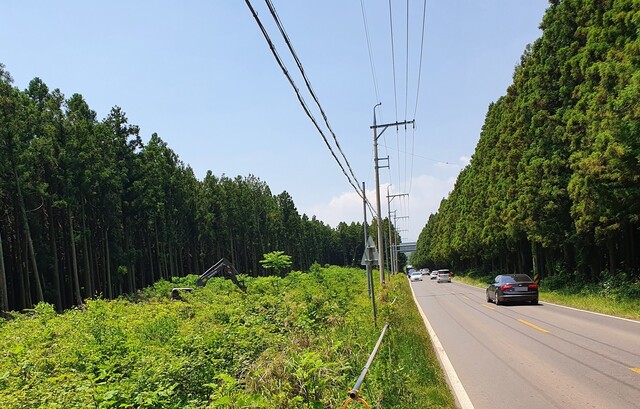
373, 68
393, 60
406, 73
415, 111
424, 18
274, 14
302, 101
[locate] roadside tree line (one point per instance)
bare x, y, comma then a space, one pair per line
553, 187
87, 208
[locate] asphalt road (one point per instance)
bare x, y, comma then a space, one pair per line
533, 356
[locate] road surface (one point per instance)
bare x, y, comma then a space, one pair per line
533, 356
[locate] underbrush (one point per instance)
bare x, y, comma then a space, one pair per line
294, 342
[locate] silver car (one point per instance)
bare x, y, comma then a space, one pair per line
415, 276
444, 276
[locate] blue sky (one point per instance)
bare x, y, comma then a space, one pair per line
200, 74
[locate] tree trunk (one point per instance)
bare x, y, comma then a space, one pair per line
74, 263
630, 250
633, 255
151, 269
4, 298
87, 276
130, 265
611, 249
27, 230
534, 260
171, 270
26, 282
54, 259
159, 253
107, 258
181, 264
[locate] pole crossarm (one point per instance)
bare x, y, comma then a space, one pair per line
385, 126
398, 195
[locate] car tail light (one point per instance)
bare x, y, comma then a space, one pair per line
533, 286
506, 287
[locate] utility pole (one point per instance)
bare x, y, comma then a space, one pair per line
391, 269
376, 166
395, 238
392, 239
368, 256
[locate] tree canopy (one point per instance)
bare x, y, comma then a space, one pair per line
89, 209
554, 183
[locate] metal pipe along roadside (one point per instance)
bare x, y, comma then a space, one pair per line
355, 391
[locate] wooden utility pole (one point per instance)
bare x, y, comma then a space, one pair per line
384, 127
392, 255
368, 257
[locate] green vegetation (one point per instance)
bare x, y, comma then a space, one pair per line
276, 261
553, 187
89, 209
294, 342
606, 298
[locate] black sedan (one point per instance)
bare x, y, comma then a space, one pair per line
512, 287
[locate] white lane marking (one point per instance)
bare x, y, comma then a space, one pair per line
592, 312
454, 381
569, 308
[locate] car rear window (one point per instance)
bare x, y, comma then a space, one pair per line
520, 278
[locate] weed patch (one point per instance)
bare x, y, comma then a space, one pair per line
294, 342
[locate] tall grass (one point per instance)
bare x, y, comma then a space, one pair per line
294, 342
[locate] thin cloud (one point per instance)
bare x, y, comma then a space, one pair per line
426, 193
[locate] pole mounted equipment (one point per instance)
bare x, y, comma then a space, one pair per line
375, 128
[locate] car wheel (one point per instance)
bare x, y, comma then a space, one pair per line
496, 299
534, 301
488, 298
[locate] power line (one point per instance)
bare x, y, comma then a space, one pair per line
424, 18
393, 60
406, 75
373, 68
297, 91
406, 96
413, 144
274, 14
299, 96
426, 158
278, 22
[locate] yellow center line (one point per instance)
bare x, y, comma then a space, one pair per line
465, 297
637, 370
533, 326
489, 307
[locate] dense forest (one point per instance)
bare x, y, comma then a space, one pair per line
553, 187
87, 209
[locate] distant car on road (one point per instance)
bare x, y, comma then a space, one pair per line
425, 271
433, 275
415, 276
444, 276
512, 287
